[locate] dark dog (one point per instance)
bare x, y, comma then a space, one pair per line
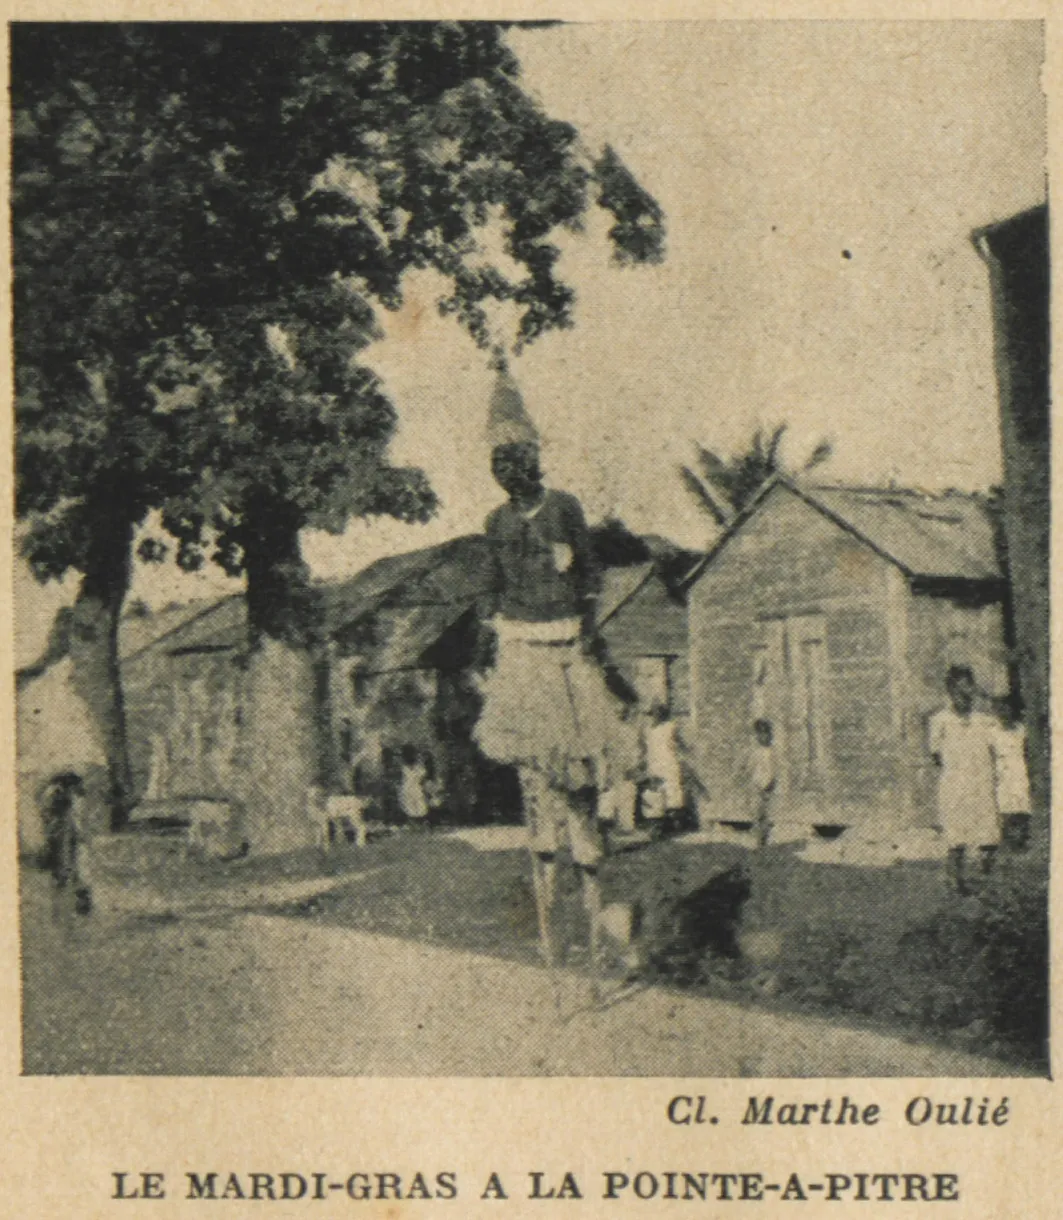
704, 921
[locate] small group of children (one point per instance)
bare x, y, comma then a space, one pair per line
641, 772
407, 778
983, 782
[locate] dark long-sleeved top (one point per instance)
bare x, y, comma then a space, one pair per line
544, 565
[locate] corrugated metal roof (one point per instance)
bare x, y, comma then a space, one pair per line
194, 625
946, 537
446, 578
139, 632
455, 571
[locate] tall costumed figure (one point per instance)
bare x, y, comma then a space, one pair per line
547, 708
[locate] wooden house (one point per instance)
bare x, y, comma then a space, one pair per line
182, 681
834, 613
403, 635
395, 672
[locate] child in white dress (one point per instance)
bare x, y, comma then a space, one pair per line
663, 799
414, 799
962, 744
1012, 778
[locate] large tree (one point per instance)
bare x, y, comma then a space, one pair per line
207, 220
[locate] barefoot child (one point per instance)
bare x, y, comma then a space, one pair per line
619, 792
67, 836
664, 798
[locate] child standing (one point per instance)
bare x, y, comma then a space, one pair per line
762, 767
415, 797
962, 747
664, 772
66, 832
1012, 777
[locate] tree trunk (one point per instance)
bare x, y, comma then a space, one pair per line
94, 652
281, 736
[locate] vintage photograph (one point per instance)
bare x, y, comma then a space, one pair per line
531, 548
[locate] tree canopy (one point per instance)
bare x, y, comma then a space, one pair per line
207, 220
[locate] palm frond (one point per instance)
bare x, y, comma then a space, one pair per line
714, 504
774, 447
712, 464
727, 484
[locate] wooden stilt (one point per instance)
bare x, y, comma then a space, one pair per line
592, 901
543, 876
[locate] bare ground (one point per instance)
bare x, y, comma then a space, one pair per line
250, 994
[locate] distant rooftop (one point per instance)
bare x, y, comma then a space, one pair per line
944, 536
933, 536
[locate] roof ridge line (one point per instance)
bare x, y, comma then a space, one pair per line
195, 618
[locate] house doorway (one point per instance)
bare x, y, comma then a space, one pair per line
789, 685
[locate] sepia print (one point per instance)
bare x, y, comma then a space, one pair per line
532, 548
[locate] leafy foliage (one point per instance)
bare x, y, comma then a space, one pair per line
207, 219
724, 484
616, 546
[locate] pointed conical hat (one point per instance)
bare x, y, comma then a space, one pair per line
507, 420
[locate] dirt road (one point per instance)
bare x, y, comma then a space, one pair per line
266, 995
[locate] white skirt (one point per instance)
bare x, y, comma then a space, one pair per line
545, 701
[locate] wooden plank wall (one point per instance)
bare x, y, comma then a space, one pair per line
791, 560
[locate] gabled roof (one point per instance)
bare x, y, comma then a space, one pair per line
456, 571
139, 633
422, 592
945, 536
224, 625
934, 537
168, 629
619, 586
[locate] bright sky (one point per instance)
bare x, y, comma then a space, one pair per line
820, 181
